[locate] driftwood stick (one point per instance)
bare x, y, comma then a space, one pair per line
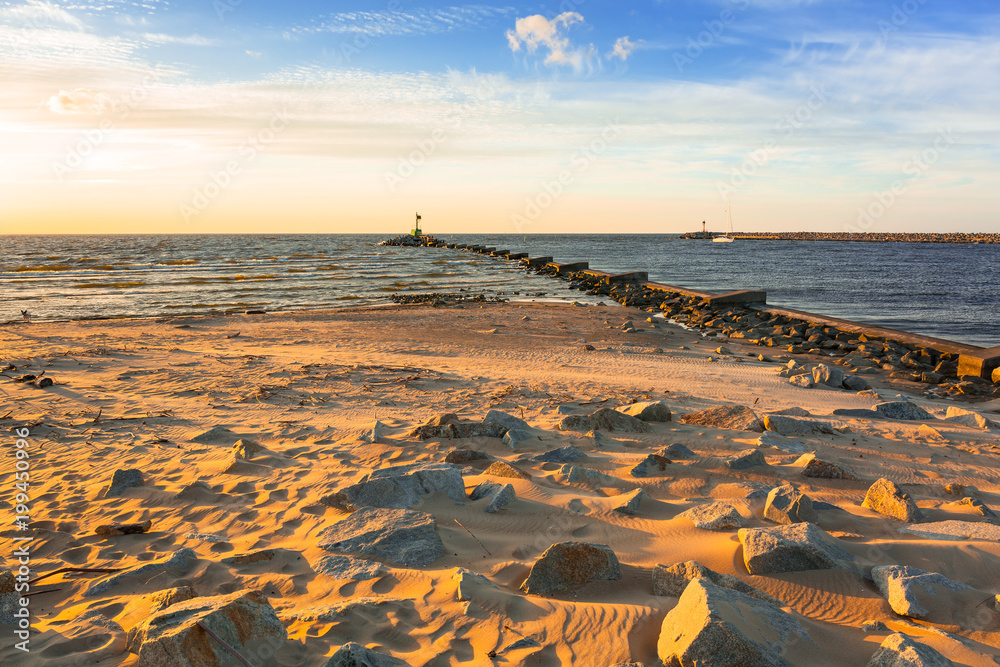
102, 570
474, 537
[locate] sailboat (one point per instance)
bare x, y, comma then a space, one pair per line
728, 236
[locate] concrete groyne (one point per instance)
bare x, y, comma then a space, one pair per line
860, 237
951, 368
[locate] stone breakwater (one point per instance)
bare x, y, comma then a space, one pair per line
945, 368
861, 237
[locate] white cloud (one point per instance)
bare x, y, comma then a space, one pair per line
80, 101
537, 31
623, 48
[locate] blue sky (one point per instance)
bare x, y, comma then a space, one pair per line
225, 115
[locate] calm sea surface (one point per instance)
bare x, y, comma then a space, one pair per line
944, 290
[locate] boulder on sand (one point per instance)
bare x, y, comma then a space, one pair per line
718, 626
746, 459
736, 417
400, 487
648, 411
792, 426
898, 650
449, 426
356, 655
653, 465
800, 546
121, 480
671, 581
820, 469
969, 418
887, 499
569, 564
604, 419
713, 516
785, 505
401, 536
831, 377
174, 636
510, 422
902, 410
500, 495
504, 469
911, 591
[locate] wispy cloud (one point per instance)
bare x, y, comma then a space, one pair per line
185, 40
622, 49
407, 22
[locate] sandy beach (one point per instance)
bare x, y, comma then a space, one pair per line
315, 401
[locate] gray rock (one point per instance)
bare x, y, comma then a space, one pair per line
831, 377
712, 625
800, 546
356, 655
975, 505
820, 469
561, 455
908, 589
736, 417
900, 651
604, 419
902, 410
514, 437
956, 531
803, 380
578, 474
401, 487
746, 459
449, 426
969, 418
460, 456
375, 434
713, 516
137, 576
504, 469
856, 383
121, 480
245, 449
648, 411
404, 537
630, 502
169, 597
345, 567
500, 495
653, 465
792, 426
786, 506
887, 499
677, 451
172, 637
874, 626
510, 422
671, 581
569, 564
773, 440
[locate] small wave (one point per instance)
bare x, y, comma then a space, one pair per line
179, 262
112, 285
39, 269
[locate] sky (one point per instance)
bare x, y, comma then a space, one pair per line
246, 116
